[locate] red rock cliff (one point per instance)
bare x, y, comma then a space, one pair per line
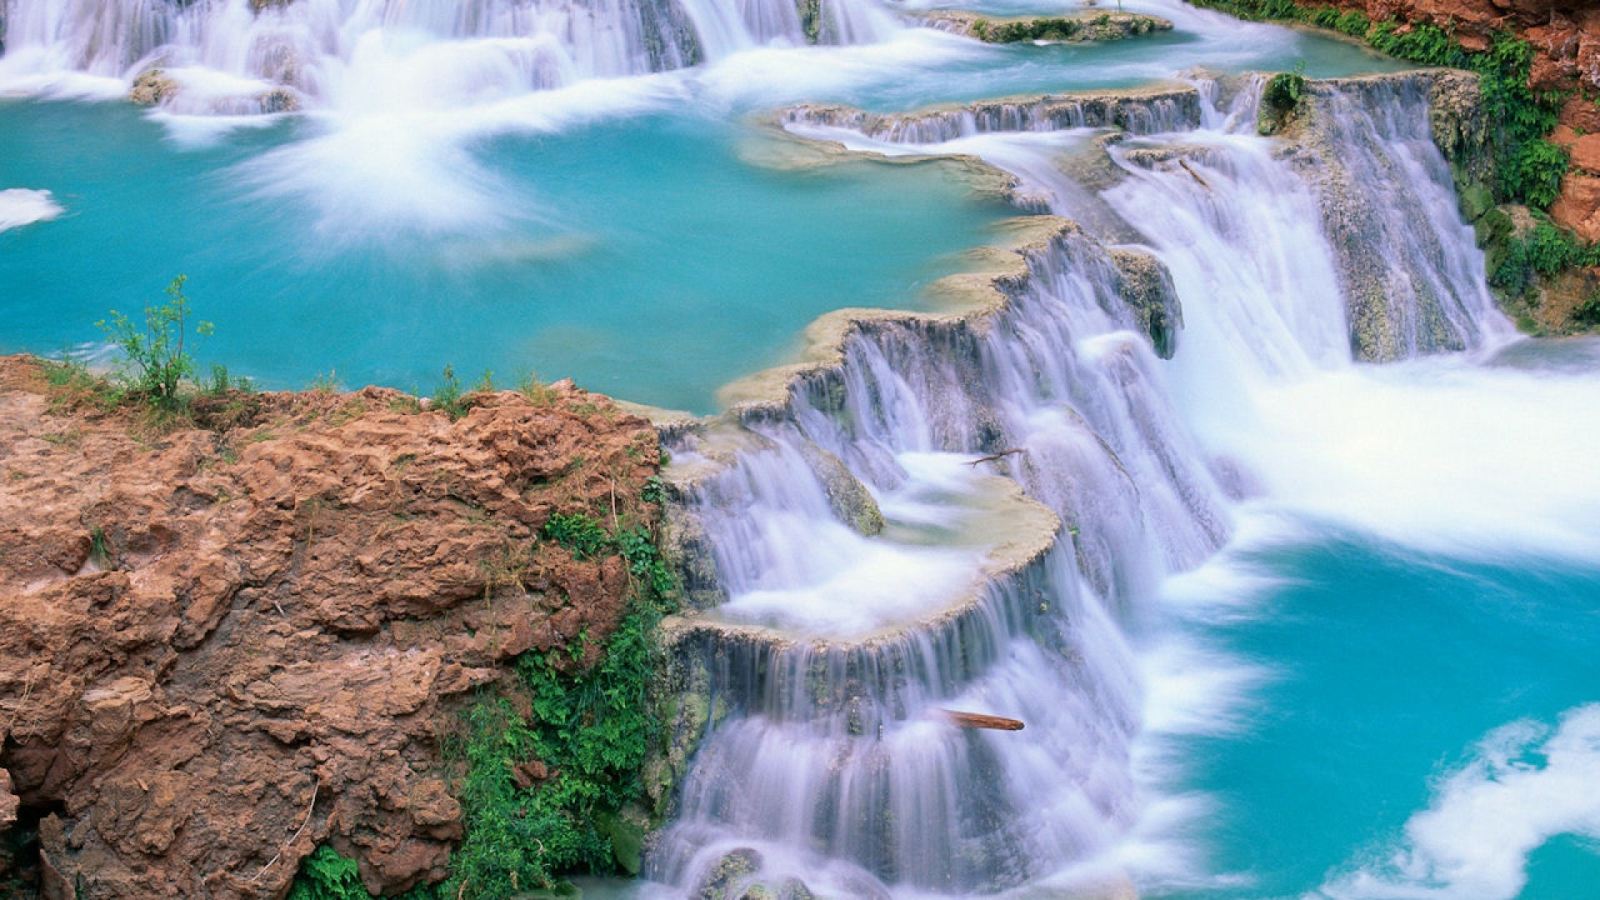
221, 647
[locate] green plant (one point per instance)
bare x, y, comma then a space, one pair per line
325, 382
1280, 98
99, 547
581, 535
655, 490
327, 875
223, 382
1588, 312
449, 396
544, 793
1534, 172
72, 385
156, 351
537, 392
1546, 250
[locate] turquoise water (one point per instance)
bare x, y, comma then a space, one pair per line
1385, 667
641, 258
628, 246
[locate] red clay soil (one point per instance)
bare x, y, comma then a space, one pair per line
221, 647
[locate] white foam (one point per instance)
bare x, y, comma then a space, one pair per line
1438, 453
20, 206
1523, 786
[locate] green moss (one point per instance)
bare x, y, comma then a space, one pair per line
1280, 99
589, 731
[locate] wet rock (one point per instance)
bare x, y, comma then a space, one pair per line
730, 873
1146, 286
847, 496
152, 88
279, 100
1082, 27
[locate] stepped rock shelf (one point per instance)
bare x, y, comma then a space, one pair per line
854, 701
797, 741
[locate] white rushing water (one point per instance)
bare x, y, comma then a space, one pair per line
21, 206
245, 56
833, 765
837, 646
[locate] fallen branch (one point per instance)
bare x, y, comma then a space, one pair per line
1193, 174
315, 786
982, 720
996, 456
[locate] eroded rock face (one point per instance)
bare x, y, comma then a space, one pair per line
222, 647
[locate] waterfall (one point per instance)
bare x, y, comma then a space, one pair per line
251, 56
828, 761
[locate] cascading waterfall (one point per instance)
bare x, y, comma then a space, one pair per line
248, 56
829, 763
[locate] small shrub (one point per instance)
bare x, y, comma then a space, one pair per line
449, 396
156, 354
222, 381
325, 383
1280, 98
1534, 173
581, 535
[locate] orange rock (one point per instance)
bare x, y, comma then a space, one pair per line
204, 631
1578, 207
1585, 152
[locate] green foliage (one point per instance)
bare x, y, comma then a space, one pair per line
157, 360
223, 382
1534, 172
1587, 314
449, 396
1280, 97
72, 386
99, 546
326, 875
1546, 250
580, 534
1043, 28
589, 730
655, 490
1529, 167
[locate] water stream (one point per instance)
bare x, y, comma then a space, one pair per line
1235, 488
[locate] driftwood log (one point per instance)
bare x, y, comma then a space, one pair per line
995, 456
983, 720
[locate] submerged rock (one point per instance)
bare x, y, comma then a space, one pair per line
1080, 27
729, 875
152, 88
847, 496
